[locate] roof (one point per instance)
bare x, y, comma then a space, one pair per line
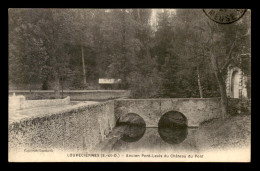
109, 81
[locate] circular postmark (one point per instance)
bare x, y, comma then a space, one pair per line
224, 16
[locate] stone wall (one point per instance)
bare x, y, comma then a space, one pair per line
75, 95
19, 102
76, 129
41, 103
196, 110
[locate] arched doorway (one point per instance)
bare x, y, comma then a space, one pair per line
235, 84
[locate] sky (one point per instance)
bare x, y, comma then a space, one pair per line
153, 20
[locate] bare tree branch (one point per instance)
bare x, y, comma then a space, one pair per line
227, 64
229, 59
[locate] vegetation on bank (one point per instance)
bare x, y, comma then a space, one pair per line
232, 132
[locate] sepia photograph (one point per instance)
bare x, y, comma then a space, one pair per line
129, 85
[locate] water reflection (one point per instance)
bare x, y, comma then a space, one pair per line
172, 127
133, 133
134, 127
173, 135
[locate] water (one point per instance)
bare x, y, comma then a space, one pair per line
132, 135
173, 135
135, 139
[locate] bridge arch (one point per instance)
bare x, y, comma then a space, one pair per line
173, 127
133, 127
172, 116
130, 118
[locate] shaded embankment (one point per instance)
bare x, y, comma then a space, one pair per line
233, 132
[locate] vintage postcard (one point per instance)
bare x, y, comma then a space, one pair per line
129, 85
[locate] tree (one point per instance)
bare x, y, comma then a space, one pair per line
181, 58
43, 34
205, 40
225, 47
27, 56
54, 29
82, 35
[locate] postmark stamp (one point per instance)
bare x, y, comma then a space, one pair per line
224, 16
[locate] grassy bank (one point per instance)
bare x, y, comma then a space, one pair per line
233, 132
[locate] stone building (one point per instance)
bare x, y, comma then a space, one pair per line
236, 83
105, 83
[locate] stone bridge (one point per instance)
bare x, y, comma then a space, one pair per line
196, 110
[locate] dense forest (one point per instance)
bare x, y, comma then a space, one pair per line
183, 54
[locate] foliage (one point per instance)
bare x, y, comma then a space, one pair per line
45, 47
